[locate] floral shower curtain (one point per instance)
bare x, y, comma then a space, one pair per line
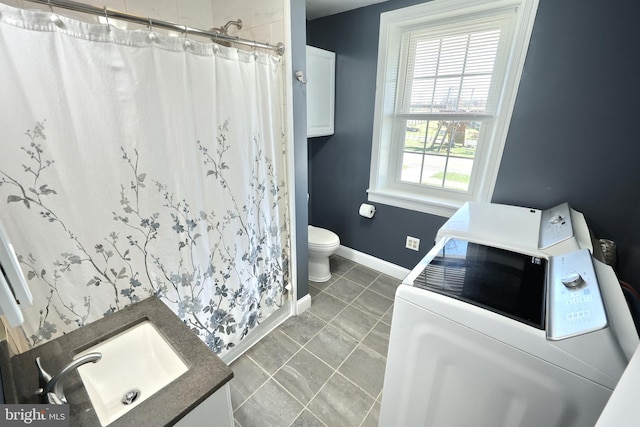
135, 164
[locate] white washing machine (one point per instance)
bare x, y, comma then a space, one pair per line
502, 325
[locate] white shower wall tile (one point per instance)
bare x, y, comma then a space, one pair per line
166, 10
196, 13
267, 11
118, 5
13, 3
224, 11
277, 33
111, 4
261, 33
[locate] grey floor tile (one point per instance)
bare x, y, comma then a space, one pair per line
323, 285
303, 375
340, 403
270, 405
362, 275
365, 368
378, 338
372, 303
372, 417
385, 286
345, 290
307, 419
313, 290
346, 328
354, 322
303, 327
339, 265
332, 345
273, 351
326, 307
247, 378
388, 316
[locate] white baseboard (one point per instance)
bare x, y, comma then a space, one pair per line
378, 264
303, 304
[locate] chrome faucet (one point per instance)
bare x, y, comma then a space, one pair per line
51, 387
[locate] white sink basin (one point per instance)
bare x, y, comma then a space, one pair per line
138, 360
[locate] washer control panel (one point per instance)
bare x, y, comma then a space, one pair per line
555, 226
575, 302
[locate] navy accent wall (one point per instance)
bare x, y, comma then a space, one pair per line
298, 62
572, 135
339, 171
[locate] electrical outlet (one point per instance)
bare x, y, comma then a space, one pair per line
413, 243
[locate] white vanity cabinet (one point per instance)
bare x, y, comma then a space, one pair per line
215, 411
321, 89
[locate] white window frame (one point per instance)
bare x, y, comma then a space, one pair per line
383, 186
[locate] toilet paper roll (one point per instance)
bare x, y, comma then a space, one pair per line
367, 210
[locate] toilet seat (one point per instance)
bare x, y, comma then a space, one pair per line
320, 238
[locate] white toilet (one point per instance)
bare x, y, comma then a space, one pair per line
322, 244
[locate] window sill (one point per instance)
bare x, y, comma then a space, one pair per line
405, 200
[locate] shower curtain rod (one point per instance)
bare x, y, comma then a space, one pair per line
116, 14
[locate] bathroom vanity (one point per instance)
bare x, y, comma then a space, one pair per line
198, 395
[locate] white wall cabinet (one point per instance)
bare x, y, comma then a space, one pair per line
321, 89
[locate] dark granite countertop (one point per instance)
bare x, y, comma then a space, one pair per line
206, 374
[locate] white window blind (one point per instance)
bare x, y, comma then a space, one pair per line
450, 73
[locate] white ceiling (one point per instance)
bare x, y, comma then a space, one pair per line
320, 8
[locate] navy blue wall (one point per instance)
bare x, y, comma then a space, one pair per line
298, 63
572, 135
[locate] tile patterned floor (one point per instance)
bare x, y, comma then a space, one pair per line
326, 366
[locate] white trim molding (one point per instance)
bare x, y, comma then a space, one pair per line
377, 264
303, 304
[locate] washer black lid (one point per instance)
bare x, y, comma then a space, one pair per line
505, 282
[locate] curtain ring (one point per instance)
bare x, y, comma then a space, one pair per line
106, 15
151, 37
54, 18
186, 43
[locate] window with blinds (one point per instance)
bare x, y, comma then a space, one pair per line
448, 72
449, 87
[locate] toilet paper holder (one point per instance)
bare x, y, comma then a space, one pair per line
367, 210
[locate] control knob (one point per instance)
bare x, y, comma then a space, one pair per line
556, 219
572, 280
